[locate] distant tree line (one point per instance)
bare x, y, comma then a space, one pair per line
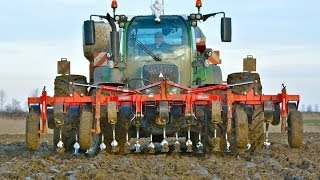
10, 109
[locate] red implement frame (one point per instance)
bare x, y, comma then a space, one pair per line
189, 97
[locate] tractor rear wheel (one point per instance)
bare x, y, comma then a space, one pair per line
256, 129
240, 126
62, 84
85, 128
244, 77
68, 129
295, 129
32, 130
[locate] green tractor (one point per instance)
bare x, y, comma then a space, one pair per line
152, 76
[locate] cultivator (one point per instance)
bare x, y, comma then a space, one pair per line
143, 99
190, 110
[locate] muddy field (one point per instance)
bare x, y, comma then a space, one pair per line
276, 162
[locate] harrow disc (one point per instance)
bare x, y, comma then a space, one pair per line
32, 130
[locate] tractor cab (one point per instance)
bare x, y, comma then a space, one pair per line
155, 50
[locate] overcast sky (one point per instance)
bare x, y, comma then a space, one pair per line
282, 34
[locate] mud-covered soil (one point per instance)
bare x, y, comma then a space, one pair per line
277, 162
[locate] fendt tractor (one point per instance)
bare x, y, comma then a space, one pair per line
154, 87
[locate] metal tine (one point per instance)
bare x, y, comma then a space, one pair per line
151, 146
177, 144
102, 145
76, 146
127, 144
137, 144
267, 143
60, 148
189, 142
200, 145
114, 143
164, 143
228, 144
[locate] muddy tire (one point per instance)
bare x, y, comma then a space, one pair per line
68, 130
295, 129
240, 126
256, 128
62, 85
244, 77
32, 130
85, 129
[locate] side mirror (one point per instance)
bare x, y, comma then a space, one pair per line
226, 29
89, 32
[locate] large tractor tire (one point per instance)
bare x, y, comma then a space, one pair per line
240, 126
244, 77
255, 115
32, 130
70, 126
62, 85
256, 129
85, 129
295, 129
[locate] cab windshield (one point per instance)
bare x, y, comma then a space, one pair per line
148, 40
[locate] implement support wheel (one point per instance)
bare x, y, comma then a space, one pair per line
32, 129
85, 128
295, 129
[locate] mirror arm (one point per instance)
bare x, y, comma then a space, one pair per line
206, 16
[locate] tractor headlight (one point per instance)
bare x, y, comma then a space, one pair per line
111, 64
117, 18
121, 25
198, 16
194, 23
206, 63
192, 16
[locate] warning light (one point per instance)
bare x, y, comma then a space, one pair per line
199, 4
114, 4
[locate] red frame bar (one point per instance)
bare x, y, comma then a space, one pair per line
191, 97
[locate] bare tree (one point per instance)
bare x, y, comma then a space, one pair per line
3, 99
35, 92
14, 106
316, 108
309, 108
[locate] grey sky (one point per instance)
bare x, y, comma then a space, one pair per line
283, 35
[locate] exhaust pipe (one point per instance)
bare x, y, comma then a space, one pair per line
115, 40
